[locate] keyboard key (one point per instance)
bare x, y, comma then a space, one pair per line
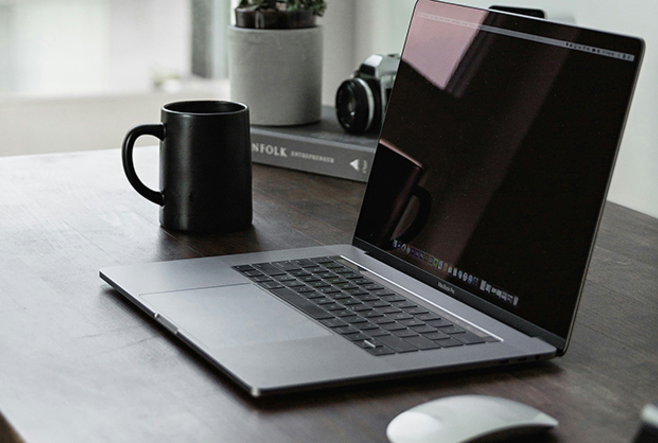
436, 335
449, 343
422, 343
323, 301
417, 311
396, 343
299, 274
269, 269
354, 319
391, 326
366, 326
293, 284
373, 286
333, 323
252, 274
428, 316
469, 338
271, 284
301, 303
318, 284
351, 301
364, 296
382, 350
411, 322
393, 298
304, 290
424, 329
453, 330
351, 288
381, 320
398, 315
372, 314
286, 266
304, 263
351, 275
356, 337
390, 310
377, 332
406, 305
322, 260
342, 313
367, 344
343, 330
440, 323
404, 333
361, 308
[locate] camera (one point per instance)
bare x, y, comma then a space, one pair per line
361, 100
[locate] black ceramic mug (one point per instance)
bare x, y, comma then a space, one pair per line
205, 166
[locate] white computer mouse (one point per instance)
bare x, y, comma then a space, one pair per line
466, 418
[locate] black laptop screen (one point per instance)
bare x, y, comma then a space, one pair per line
496, 155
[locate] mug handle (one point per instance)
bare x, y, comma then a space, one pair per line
158, 131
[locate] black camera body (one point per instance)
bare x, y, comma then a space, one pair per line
361, 100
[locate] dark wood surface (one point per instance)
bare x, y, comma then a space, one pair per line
78, 363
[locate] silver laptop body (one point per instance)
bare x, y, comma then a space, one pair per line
481, 210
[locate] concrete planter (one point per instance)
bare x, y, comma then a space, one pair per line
277, 73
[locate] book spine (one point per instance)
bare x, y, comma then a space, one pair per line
317, 156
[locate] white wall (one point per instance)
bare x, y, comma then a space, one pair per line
148, 38
5, 44
62, 54
635, 180
76, 47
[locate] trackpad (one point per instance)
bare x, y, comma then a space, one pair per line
233, 315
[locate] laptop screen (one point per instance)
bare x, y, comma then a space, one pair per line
495, 158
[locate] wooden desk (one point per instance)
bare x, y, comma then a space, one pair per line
80, 364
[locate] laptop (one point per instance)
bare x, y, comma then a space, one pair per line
476, 230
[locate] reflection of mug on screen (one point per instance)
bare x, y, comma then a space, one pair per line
393, 189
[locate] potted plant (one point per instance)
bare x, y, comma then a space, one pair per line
278, 14
275, 60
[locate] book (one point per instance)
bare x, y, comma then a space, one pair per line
321, 148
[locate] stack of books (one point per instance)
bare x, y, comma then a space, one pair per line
321, 148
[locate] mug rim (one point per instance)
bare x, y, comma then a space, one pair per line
232, 107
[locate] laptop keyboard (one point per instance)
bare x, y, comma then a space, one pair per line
373, 317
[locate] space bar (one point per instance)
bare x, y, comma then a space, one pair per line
301, 303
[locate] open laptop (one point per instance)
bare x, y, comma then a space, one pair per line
476, 229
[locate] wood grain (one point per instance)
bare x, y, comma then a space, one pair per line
78, 363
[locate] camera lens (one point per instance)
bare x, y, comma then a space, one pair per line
355, 105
